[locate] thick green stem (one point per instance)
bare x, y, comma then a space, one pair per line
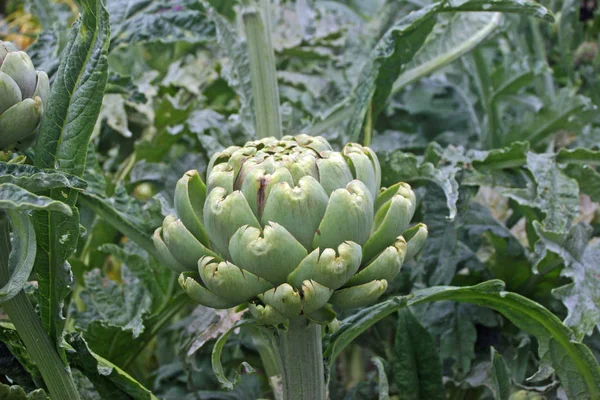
301, 361
56, 375
263, 73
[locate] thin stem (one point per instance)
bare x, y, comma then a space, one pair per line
263, 74
368, 132
301, 361
56, 375
539, 48
482, 78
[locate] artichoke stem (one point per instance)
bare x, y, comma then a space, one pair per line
57, 376
301, 361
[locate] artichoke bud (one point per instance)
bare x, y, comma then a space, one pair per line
349, 216
223, 176
316, 143
190, 195
315, 296
328, 268
266, 314
391, 220
270, 254
230, 282
386, 266
334, 173
364, 165
285, 225
299, 209
184, 246
200, 294
164, 255
24, 95
415, 237
221, 157
284, 298
359, 296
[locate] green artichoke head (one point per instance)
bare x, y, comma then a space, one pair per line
290, 227
24, 94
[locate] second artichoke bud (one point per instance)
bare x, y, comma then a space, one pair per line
290, 227
23, 97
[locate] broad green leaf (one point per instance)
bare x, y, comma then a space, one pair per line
22, 255
416, 363
153, 277
500, 376
216, 358
15, 392
581, 164
565, 111
557, 195
395, 49
165, 21
124, 213
458, 36
62, 143
35, 179
401, 43
107, 378
13, 197
581, 260
114, 305
524, 313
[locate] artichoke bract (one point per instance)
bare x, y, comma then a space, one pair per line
290, 227
23, 97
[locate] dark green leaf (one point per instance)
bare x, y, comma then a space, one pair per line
13, 197
500, 376
416, 362
216, 358
35, 179
62, 143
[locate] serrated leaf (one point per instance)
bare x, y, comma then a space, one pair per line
416, 362
112, 304
13, 197
582, 296
165, 21
62, 143
35, 179
557, 195
406, 167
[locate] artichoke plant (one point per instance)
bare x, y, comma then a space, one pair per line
24, 95
290, 227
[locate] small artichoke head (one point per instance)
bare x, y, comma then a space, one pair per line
23, 97
289, 227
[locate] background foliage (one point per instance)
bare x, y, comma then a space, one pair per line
492, 118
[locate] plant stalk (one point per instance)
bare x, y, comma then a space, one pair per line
263, 74
57, 376
301, 361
